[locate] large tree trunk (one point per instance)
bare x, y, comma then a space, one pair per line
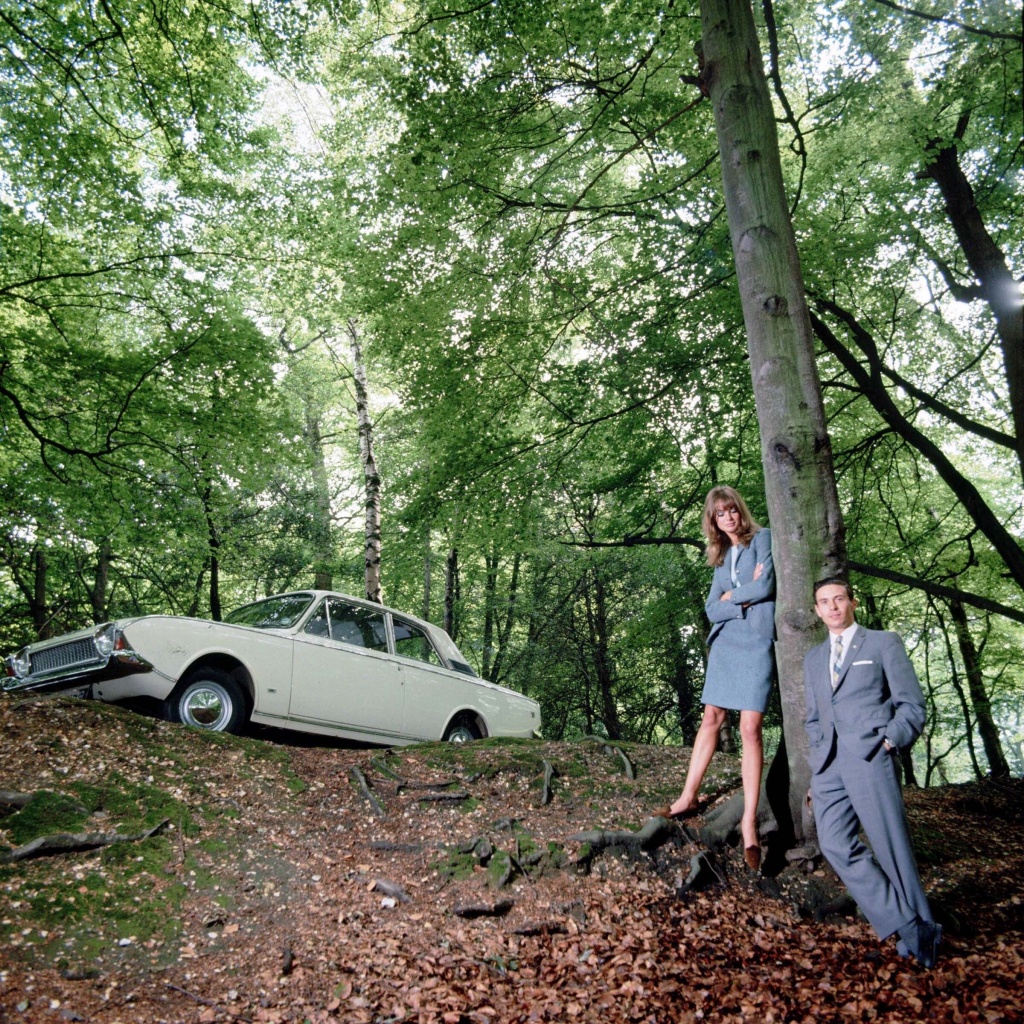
197, 594
803, 505
321, 531
216, 612
370, 474
965, 709
997, 764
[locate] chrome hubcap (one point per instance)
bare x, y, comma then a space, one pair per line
206, 707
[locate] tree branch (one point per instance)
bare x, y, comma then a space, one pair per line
955, 22
870, 383
790, 118
938, 590
926, 399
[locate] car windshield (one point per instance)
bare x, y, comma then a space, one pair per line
273, 613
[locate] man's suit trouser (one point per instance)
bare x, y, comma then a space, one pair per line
852, 794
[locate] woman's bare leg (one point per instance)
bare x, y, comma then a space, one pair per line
703, 750
751, 766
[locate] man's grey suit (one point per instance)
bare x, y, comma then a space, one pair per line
855, 781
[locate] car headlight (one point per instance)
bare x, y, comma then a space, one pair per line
19, 664
105, 639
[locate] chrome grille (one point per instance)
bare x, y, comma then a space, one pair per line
53, 659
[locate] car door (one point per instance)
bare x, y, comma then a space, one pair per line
433, 693
342, 673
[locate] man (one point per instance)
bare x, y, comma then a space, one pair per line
865, 706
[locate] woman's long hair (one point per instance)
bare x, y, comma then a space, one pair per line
718, 542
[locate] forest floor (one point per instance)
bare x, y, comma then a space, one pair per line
274, 890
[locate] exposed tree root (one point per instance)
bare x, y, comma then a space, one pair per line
67, 842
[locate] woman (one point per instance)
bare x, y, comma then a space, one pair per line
741, 664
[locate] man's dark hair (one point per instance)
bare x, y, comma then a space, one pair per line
838, 581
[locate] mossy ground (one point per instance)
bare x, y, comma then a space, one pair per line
71, 909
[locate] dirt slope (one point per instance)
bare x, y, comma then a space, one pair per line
274, 890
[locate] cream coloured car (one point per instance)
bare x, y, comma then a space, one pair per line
312, 660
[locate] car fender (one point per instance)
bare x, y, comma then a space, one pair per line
176, 647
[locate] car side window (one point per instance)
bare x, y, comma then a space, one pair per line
412, 642
349, 624
318, 624
352, 624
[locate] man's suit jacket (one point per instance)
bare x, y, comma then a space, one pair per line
759, 594
878, 698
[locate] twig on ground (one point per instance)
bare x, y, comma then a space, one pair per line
365, 787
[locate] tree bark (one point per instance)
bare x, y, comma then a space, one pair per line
505, 629
428, 562
683, 682
197, 593
491, 561
803, 505
997, 764
597, 621
322, 531
37, 597
965, 708
101, 580
371, 477
213, 544
451, 592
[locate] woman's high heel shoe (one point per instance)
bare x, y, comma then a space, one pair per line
689, 812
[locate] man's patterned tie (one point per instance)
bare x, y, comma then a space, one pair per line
837, 660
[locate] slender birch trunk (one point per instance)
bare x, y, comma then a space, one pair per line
371, 550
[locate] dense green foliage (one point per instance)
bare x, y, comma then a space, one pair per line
518, 207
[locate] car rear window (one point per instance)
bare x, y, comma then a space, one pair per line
412, 642
451, 653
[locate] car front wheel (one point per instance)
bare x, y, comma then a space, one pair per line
211, 700
461, 731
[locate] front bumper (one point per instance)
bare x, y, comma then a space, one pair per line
119, 664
